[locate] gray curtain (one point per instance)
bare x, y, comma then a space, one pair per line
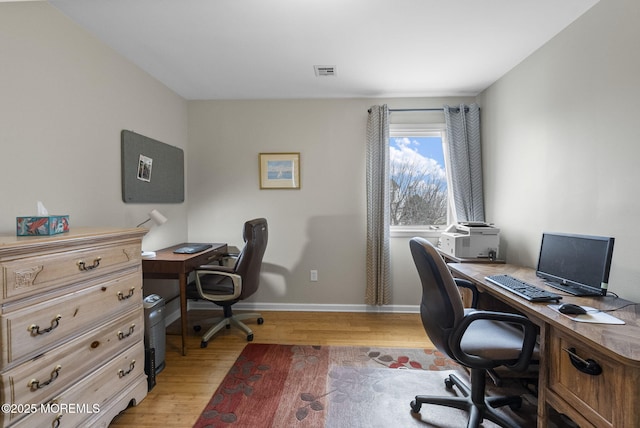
465, 161
378, 207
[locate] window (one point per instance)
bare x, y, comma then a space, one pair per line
419, 191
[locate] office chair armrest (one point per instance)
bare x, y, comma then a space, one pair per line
221, 271
528, 343
469, 285
216, 269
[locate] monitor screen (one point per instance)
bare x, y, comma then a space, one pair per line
576, 260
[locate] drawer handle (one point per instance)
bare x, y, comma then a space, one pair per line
122, 373
122, 335
123, 297
35, 384
83, 267
56, 421
35, 329
587, 366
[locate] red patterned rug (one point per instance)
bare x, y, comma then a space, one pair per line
325, 386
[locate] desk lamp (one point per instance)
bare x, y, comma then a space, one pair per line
157, 218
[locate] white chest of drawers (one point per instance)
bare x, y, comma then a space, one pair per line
71, 327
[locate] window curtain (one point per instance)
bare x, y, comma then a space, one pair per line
378, 207
465, 161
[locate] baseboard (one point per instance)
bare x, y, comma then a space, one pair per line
307, 307
173, 308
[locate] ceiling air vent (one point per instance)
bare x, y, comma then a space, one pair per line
325, 70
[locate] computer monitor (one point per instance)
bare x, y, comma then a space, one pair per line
577, 263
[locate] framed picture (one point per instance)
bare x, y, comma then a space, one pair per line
279, 170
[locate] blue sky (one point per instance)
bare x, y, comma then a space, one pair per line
427, 150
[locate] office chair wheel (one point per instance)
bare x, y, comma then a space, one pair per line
249, 337
203, 344
415, 406
197, 328
260, 321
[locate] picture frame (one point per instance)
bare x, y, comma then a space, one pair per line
279, 170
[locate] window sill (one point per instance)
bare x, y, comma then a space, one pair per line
410, 232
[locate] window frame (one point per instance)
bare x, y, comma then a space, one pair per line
424, 130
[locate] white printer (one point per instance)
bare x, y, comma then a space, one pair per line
470, 240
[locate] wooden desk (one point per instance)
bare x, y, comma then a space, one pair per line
167, 264
605, 400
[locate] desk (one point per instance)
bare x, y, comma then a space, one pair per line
605, 400
167, 264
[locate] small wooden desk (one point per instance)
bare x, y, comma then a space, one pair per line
167, 264
605, 400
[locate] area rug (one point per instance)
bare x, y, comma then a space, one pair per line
324, 386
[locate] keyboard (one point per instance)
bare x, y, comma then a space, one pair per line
523, 289
192, 248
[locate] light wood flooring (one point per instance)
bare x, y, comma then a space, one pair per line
187, 383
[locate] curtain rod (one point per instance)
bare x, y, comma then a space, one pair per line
392, 110
423, 109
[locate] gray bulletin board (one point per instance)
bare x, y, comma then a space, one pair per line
151, 171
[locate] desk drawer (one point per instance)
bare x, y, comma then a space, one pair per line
606, 399
33, 330
30, 275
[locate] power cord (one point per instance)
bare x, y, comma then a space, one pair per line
616, 309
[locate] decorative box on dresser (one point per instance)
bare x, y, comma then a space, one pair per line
72, 327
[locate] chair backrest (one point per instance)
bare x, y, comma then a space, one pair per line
255, 235
441, 308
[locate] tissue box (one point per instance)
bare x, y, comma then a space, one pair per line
50, 225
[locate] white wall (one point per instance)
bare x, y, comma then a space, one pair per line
561, 141
64, 99
322, 226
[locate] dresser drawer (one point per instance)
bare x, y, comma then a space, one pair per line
30, 275
88, 397
133, 394
34, 329
40, 379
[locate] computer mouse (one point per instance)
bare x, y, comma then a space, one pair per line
570, 308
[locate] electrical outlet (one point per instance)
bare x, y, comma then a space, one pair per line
314, 275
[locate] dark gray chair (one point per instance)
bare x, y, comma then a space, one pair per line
479, 340
224, 285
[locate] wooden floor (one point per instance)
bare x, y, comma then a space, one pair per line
187, 383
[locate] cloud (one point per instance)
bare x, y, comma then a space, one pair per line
404, 151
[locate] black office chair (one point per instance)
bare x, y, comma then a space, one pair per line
479, 340
225, 285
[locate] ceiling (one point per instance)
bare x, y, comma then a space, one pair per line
267, 49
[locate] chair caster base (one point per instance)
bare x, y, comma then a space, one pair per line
203, 344
260, 321
197, 328
415, 407
250, 338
